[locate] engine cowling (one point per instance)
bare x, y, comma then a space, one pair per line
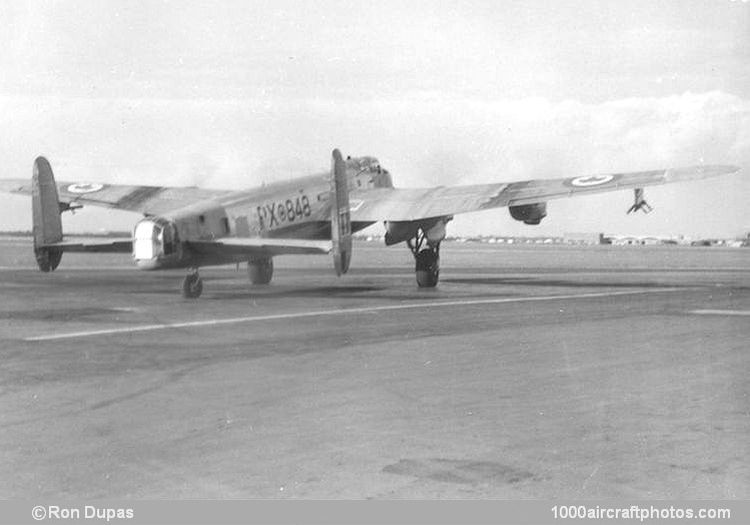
400, 231
529, 213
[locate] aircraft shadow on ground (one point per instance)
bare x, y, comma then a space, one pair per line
530, 281
278, 291
394, 293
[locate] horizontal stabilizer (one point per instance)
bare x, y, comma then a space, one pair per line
93, 245
260, 246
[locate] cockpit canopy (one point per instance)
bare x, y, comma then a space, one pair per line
370, 164
378, 176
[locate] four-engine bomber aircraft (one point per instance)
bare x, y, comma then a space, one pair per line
191, 227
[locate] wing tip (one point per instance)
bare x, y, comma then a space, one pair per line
733, 169
722, 169
14, 186
700, 171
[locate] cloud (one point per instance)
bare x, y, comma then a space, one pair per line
424, 138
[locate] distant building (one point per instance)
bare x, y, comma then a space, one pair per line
584, 238
641, 240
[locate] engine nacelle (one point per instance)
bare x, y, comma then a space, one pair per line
529, 213
400, 231
437, 232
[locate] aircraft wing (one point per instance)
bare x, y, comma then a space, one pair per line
259, 246
397, 204
150, 200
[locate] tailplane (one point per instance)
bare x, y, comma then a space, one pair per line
341, 226
45, 206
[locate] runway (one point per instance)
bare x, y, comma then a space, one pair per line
530, 372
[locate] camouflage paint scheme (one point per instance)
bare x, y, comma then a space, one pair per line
224, 226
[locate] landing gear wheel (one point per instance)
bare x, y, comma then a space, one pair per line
427, 258
47, 258
192, 286
428, 268
260, 271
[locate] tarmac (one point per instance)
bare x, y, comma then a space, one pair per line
530, 372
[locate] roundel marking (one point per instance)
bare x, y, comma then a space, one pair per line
85, 187
591, 180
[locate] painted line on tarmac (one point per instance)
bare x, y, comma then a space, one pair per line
720, 312
73, 269
340, 312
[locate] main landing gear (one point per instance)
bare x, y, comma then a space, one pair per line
427, 258
192, 286
260, 270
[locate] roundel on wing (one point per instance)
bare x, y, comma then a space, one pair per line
85, 187
590, 180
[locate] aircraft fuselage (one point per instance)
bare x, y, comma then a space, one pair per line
298, 208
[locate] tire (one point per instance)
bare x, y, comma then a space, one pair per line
260, 271
192, 286
47, 258
427, 279
427, 269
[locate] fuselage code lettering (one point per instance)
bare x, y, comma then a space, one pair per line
275, 214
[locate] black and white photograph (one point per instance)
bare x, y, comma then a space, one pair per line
428, 250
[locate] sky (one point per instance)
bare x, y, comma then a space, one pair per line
235, 94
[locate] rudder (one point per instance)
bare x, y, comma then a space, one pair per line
47, 225
341, 226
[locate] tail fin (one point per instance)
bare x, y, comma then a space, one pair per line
341, 226
45, 206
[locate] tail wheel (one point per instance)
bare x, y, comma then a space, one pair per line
192, 286
260, 271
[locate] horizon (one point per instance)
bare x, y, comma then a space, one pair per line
364, 234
